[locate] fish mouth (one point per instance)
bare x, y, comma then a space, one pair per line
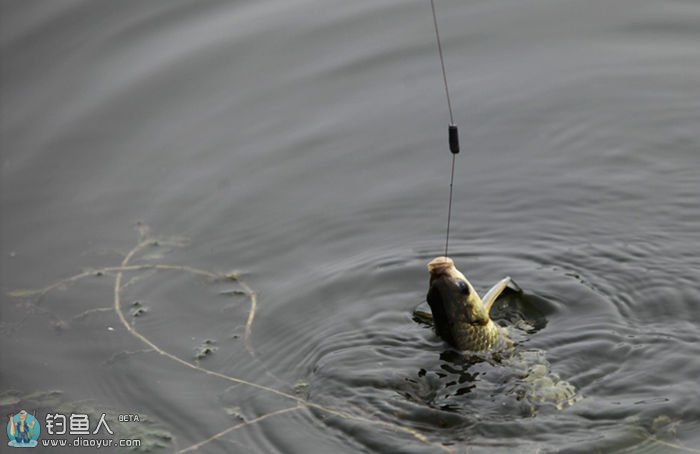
441, 267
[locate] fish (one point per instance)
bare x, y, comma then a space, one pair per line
460, 317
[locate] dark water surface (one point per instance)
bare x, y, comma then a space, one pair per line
303, 144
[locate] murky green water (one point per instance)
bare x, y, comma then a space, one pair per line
303, 145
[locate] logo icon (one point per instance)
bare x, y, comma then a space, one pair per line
23, 430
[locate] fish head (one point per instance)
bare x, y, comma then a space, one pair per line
452, 299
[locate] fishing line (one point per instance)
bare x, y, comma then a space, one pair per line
449, 204
453, 133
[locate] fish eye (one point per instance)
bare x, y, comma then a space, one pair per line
463, 287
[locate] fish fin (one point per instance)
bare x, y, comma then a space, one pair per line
423, 317
497, 290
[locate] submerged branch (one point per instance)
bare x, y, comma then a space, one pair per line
125, 266
196, 446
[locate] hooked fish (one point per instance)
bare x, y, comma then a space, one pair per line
461, 318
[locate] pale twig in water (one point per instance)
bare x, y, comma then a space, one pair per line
125, 266
654, 439
196, 446
672, 445
91, 311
